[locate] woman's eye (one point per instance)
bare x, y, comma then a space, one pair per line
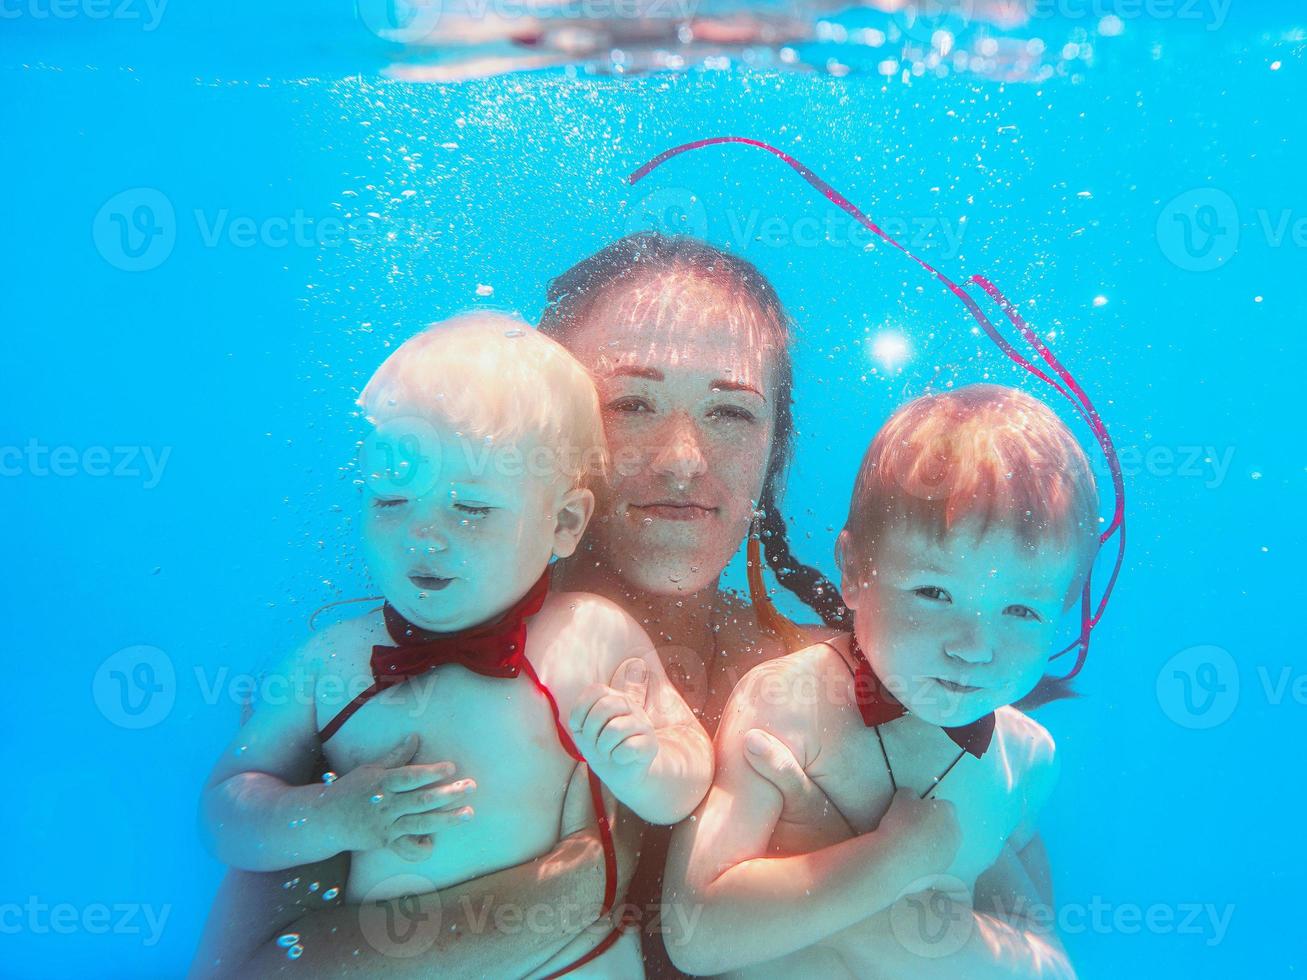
472, 510
383, 502
630, 406
733, 412
932, 592
1022, 612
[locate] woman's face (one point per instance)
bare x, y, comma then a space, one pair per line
686, 381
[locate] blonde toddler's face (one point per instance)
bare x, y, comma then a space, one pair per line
457, 531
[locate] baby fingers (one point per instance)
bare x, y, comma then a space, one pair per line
430, 821
588, 727
406, 778
433, 798
618, 730
636, 749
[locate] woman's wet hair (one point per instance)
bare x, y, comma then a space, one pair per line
632, 260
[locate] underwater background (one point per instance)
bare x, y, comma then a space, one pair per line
218, 225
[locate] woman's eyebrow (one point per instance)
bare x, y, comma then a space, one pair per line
633, 371
653, 374
723, 384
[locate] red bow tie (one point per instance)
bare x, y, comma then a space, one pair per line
879, 705
495, 649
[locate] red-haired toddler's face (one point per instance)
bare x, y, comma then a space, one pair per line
959, 625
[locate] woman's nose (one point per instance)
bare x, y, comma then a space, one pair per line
970, 641
681, 456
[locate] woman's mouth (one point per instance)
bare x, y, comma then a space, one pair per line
429, 583
670, 510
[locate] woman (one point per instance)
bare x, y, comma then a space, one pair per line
689, 350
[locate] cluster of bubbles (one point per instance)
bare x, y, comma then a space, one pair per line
879, 37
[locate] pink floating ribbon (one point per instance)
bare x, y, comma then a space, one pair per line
1069, 388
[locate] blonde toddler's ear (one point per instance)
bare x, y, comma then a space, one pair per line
574, 513
845, 561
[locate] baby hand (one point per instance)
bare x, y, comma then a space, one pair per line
611, 728
391, 804
925, 833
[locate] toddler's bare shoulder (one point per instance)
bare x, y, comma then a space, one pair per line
1029, 749
787, 691
338, 646
590, 627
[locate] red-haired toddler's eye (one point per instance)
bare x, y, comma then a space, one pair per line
1022, 612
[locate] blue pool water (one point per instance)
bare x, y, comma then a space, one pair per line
179, 382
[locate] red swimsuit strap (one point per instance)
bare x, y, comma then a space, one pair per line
596, 792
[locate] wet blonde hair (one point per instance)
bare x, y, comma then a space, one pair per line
493, 377
983, 452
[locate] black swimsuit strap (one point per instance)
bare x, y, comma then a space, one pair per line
880, 739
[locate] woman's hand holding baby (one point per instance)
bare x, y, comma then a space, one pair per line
389, 803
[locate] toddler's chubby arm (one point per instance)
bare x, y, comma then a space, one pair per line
252, 909
1005, 932
741, 900
636, 731
262, 811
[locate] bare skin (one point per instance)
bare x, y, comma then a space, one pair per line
692, 440
707, 638
1003, 925
687, 389
961, 626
